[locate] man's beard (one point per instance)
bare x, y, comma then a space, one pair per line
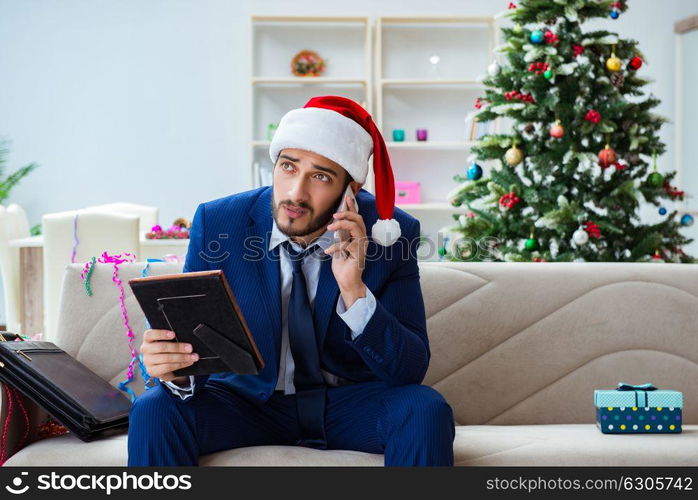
315, 222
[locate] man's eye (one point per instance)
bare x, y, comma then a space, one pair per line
324, 177
286, 164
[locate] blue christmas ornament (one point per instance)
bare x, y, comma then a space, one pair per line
474, 172
662, 211
687, 220
537, 37
614, 14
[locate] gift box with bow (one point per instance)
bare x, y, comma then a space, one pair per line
638, 409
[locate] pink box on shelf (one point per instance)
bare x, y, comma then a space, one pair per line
407, 192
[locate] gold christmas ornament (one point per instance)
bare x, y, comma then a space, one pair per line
513, 156
614, 63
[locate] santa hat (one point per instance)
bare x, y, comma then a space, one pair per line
341, 130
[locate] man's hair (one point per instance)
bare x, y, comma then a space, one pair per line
347, 180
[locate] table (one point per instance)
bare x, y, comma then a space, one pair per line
31, 277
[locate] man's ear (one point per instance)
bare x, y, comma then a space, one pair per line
355, 187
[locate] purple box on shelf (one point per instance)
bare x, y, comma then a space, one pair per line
407, 192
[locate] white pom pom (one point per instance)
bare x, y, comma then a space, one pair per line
385, 232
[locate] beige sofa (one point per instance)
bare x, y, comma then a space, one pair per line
517, 350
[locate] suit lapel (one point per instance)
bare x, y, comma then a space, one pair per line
267, 267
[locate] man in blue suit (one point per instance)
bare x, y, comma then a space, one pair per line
340, 324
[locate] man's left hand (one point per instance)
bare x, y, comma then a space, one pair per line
349, 257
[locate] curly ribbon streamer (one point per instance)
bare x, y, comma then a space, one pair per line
117, 260
75, 237
148, 381
86, 274
12, 397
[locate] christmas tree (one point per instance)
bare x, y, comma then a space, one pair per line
567, 182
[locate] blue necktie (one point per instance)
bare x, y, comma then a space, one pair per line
307, 377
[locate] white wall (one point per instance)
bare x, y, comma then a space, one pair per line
147, 101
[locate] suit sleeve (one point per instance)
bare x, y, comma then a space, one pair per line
195, 261
394, 342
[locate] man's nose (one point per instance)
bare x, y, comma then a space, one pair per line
298, 191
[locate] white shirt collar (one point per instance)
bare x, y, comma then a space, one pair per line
277, 237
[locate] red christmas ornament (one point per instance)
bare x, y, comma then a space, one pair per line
577, 50
557, 131
593, 116
672, 191
539, 259
515, 94
607, 157
635, 63
593, 229
512, 5
551, 38
479, 102
509, 200
538, 67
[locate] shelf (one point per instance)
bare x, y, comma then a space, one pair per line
446, 145
438, 145
422, 20
307, 80
308, 19
430, 83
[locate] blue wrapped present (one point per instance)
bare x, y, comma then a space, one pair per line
638, 409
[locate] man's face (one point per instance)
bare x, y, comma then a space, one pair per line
308, 189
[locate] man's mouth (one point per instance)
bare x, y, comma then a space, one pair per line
294, 212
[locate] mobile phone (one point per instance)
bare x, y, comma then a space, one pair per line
343, 234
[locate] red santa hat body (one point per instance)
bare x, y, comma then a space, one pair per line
340, 129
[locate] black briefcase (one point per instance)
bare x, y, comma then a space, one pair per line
71, 393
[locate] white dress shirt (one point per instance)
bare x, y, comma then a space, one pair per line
356, 317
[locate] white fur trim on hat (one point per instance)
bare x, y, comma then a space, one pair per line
327, 133
385, 232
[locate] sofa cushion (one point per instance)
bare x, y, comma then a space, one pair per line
506, 445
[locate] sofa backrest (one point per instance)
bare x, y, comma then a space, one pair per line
527, 343
511, 343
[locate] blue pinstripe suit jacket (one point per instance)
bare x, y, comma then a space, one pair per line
232, 234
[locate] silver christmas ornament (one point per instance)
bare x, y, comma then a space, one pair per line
580, 237
493, 69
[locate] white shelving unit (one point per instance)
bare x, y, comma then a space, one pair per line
396, 80
429, 73
346, 45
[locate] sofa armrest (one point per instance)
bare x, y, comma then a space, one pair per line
17, 432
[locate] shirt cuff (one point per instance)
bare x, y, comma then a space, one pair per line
359, 314
182, 392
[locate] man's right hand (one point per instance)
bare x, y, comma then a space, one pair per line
161, 358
